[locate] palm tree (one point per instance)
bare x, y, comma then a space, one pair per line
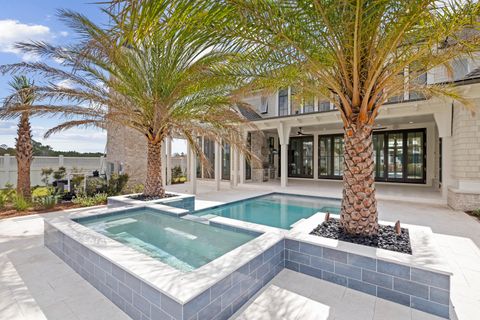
169, 83
24, 97
357, 54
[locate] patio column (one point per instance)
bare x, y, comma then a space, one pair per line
192, 170
218, 165
235, 166
187, 168
284, 137
169, 160
443, 119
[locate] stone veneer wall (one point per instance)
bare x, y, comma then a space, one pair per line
466, 157
420, 289
143, 302
127, 147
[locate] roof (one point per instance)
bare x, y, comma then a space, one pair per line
249, 113
475, 74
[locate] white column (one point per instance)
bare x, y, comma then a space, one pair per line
218, 165
284, 137
242, 168
60, 160
169, 160
235, 158
284, 164
446, 165
315, 156
193, 171
187, 168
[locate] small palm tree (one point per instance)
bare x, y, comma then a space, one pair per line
356, 54
169, 83
23, 97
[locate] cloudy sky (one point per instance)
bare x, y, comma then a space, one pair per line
25, 20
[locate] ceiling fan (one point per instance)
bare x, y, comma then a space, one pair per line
300, 132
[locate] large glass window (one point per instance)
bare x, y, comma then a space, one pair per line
248, 167
283, 102
226, 161
324, 106
295, 102
399, 156
309, 105
209, 151
300, 157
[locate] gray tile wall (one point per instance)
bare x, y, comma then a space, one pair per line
187, 203
142, 302
423, 290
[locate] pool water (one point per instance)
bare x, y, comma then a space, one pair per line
275, 210
183, 244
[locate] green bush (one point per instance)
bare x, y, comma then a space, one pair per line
476, 212
46, 202
8, 192
41, 192
95, 185
46, 173
116, 183
20, 203
182, 179
89, 201
3, 200
177, 172
60, 173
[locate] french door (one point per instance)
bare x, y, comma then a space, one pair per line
300, 157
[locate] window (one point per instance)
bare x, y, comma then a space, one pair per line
460, 68
263, 105
309, 105
283, 102
295, 102
226, 161
399, 156
330, 156
324, 106
248, 168
300, 157
418, 78
209, 151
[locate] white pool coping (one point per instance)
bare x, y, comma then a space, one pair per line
178, 285
424, 248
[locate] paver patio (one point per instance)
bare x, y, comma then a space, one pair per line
35, 284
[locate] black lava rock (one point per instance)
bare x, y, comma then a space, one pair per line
142, 197
385, 239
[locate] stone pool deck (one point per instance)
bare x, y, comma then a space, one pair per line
35, 284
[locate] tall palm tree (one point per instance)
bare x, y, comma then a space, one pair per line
23, 97
357, 54
169, 83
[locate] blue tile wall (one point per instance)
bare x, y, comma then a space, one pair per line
423, 290
140, 301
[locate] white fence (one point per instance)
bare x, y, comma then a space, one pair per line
83, 165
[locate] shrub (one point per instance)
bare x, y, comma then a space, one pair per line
3, 200
95, 185
137, 188
46, 173
20, 203
176, 172
9, 193
476, 212
89, 201
116, 183
47, 202
182, 179
41, 192
60, 173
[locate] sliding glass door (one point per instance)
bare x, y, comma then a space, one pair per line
300, 157
399, 156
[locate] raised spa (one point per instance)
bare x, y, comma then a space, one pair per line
275, 210
180, 243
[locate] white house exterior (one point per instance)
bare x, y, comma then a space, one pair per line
423, 142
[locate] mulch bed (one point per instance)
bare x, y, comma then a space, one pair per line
11, 212
385, 239
142, 197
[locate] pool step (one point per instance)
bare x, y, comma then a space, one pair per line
191, 217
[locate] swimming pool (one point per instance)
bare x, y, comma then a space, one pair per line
275, 210
183, 244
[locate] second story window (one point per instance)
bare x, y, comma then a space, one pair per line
309, 105
263, 105
283, 102
324, 106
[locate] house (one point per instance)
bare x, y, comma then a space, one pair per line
418, 141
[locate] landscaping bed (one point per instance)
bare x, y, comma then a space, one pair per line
385, 239
142, 197
474, 213
10, 212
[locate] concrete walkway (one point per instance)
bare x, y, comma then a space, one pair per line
35, 284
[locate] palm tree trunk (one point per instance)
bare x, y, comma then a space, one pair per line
359, 207
154, 184
24, 155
